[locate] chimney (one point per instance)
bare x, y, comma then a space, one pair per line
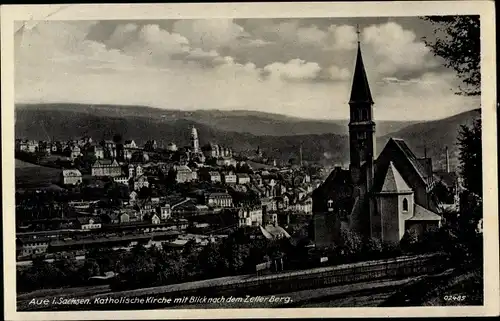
447, 160
301, 155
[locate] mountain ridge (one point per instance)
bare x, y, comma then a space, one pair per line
277, 138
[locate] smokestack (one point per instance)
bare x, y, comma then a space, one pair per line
447, 160
300, 155
425, 151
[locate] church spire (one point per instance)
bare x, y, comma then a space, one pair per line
360, 92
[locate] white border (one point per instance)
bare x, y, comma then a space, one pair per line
485, 9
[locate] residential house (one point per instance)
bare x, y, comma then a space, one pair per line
219, 200
303, 206
29, 146
269, 204
121, 180
257, 179
243, 178
250, 216
71, 177
184, 174
154, 219
230, 178
109, 149
96, 151
283, 202
135, 170
226, 162
214, 177
151, 145
165, 212
106, 167
75, 152
130, 144
128, 153
140, 182
133, 196
30, 246
89, 223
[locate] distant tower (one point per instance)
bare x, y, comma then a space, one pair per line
447, 160
195, 144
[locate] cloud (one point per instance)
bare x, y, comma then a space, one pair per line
291, 68
337, 73
295, 69
395, 49
209, 34
342, 37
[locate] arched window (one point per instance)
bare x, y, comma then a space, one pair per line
405, 205
360, 114
330, 205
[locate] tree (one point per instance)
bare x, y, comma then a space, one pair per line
471, 169
458, 43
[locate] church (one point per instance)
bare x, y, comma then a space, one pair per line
380, 198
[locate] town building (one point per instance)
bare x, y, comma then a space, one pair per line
171, 147
110, 149
213, 176
89, 223
165, 212
226, 162
71, 177
229, 178
219, 200
135, 170
130, 144
121, 180
96, 151
106, 167
184, 174
75, 152
140, 182
243, 178
151, 145
250, 216
379, 198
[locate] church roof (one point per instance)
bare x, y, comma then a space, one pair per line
360, 92
421, 170
393, 182
422, 214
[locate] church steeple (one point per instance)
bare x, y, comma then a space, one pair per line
361, 126
360, 92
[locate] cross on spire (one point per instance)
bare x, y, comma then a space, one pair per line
357, 31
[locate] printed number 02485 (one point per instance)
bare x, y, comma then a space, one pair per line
454, 297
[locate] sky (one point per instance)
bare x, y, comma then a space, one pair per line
296, 67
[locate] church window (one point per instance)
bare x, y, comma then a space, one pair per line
330, 205
405, 205
361, 135
365, 114
360, 114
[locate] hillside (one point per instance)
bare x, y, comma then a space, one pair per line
434, 136
63, 125
143, 123
241, 121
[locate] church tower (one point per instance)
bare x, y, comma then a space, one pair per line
195, 143
361, 128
